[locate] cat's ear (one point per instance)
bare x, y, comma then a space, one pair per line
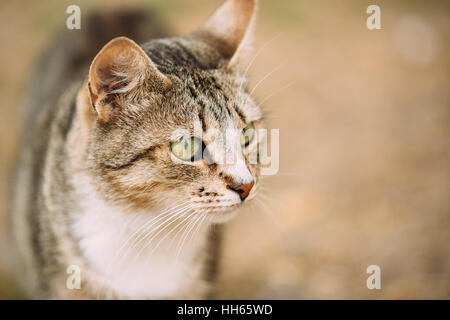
230, 30
119, 69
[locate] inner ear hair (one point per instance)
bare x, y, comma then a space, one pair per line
119, 68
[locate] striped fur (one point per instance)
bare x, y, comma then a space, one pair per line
96, 166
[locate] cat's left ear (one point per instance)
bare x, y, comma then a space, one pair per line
121, 68
230, 31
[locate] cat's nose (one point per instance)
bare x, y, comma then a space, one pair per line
243, 190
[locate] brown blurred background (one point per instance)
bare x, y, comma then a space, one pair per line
364, 121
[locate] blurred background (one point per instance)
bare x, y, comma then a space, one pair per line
364, 118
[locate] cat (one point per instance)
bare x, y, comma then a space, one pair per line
107, 185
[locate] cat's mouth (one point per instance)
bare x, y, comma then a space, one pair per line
221, 210
221, 213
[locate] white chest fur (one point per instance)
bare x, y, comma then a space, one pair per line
108, 243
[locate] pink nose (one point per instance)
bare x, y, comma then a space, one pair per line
243, 189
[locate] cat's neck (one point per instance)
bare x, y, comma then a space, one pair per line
130, 259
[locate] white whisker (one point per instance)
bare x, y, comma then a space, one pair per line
145, 225
253, 60
278, 226
264, 78
275, 92
180, 247
165, 218
168, 233
177, 217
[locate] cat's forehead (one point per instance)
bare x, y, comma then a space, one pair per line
215, 99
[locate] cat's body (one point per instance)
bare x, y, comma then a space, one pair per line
97, 188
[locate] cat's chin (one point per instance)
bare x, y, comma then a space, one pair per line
224, 215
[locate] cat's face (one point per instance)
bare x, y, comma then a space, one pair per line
174, 127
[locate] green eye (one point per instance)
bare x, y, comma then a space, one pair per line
187, 149
247, 134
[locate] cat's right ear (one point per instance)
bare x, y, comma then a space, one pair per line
121, 69
230, 31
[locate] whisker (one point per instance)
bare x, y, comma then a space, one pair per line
267, 211
267, 75
188, 228
253, 60
183, 229
116, 256
277, 223
167, 234
275, 92
166, 218
178, 251
207, 218
177, 217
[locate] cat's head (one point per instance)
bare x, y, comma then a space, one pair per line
170, 123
